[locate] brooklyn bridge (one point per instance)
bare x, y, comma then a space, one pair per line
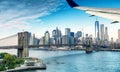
21, 42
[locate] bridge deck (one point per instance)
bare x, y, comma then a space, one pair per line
32, 46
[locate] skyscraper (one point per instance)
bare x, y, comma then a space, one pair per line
72, 34
102, 33
32, 39
112, 43
106, 37
46, 38
79, 34
57, 35
41, 41
67, 31
119, 35
106, 34
97, 32
72, 40
65, 39
54, 33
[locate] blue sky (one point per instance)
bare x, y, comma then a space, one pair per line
37, 16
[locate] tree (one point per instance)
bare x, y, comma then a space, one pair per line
3, 54
2, 67
9, 60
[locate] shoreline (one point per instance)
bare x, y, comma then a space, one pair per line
27, 68
30, 63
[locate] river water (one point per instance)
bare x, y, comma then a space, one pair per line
76, 61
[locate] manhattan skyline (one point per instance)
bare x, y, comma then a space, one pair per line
39, 16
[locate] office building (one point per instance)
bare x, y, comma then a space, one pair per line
67, 31
79, 34
53, 33
102, 34
65, 40
112, 43
106, 37
57, 35
106, 34
72, 34
97, 32
32, 39
41, 41
46, 38
119, 35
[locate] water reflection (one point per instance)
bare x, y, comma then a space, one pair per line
76, 61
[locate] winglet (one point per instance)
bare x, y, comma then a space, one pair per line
72, 3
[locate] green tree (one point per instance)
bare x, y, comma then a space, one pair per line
9, 60
2, 67
3, 54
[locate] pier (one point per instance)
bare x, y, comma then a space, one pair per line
30, 63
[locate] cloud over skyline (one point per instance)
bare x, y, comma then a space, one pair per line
17, 13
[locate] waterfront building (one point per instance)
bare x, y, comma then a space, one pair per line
79, 34
65, 40
47, 38
97, 32
32, 39
106, 34
117, 44
52, 41
71, 41
36, 41
54, 33
72, 34
112, 43
106, 37
119, 35
102, 34
67, 31
41, 41
57, 35
58, 41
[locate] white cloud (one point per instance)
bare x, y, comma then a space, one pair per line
14, 14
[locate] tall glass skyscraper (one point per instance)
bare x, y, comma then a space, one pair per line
67, 31
106, 34
72, 34
57, 35
106, 37
47, 38
102, 33
97, 31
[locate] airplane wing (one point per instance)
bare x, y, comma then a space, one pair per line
109, 13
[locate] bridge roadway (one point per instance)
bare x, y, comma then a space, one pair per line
37, 46
34, 46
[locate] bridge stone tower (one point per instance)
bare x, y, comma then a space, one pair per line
89, 47
23, 42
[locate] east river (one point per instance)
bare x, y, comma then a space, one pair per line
76, 61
